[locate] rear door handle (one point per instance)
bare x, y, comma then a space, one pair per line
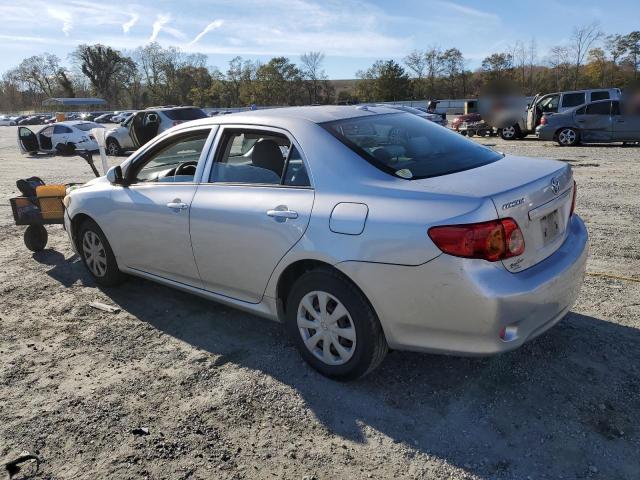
282, 214
178, 205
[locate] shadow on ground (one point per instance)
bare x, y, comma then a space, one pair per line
565, 405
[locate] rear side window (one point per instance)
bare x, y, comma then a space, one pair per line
61, 129
573, 99
408, 146
600, 108
185, 114
604, 95
260, 158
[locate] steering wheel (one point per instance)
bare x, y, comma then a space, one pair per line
186, 168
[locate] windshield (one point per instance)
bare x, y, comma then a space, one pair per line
185, 114
409, 146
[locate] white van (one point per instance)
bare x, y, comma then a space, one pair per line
549, 104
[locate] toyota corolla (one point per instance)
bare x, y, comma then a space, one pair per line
361, 228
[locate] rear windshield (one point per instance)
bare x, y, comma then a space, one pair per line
185, 114
409, 146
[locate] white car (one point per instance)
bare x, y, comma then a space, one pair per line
7, 121
62, 137
121, 117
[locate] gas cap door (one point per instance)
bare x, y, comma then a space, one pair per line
348, 218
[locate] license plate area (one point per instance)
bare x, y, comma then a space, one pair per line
550, 226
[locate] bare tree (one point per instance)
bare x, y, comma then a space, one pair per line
435, 66
532, 56
313, 74
583, 38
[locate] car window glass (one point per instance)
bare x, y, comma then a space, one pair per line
251, 157
47, 132
604, 95
573, 99
61, 129
175, 160
550, 104
408, 146
600, 108
296, 174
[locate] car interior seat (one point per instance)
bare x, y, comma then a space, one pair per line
266, 154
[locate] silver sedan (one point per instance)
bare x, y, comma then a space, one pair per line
360, 228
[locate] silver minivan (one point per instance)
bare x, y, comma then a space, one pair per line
549, 103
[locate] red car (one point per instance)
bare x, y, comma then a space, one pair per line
469, 117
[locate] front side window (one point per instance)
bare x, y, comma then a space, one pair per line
409, 146
258, 157
600, 108
550, 104
573, 99
174, 160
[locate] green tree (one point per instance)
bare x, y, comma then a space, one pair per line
382, 82
103, 66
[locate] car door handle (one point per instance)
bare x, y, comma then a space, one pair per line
284, 214
620, 121
178, 205
580, 121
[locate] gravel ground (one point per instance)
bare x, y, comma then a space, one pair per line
173, 386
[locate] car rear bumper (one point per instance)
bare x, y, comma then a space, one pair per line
544, 133
459, 306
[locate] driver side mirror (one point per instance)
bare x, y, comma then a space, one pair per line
152, 118
114, 175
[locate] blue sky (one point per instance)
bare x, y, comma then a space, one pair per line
352, 33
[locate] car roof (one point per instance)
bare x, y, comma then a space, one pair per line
314, 114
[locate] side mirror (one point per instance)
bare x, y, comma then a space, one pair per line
152, 118
114, 175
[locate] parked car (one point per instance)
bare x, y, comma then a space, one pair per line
62, 137
7, 121
121, 117
33, 120
144, 125
604, 121
469, 117
104, 118
49, 120
360, 228
432, 117
512, 128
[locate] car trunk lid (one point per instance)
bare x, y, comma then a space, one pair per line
536, 193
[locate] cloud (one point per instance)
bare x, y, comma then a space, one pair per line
64, 17
130, 23
161, 21
211, 26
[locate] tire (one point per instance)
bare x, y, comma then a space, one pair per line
568, 137
113, 147
97, 255
471, 133
354, 357
35, 238
463, 133
510, 133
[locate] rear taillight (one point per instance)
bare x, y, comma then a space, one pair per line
492, 241
573, 200
543, 121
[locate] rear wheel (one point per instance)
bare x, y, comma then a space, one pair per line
113, 147
333, 326
568, 137
510, 133
97, 255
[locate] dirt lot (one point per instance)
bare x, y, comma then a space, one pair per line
224, 394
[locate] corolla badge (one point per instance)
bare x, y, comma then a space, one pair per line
555, 184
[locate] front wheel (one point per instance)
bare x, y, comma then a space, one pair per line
333, 325
113, 147
97, 255
510, 133
568, 137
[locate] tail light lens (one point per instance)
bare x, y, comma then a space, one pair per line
573, 200
492, 241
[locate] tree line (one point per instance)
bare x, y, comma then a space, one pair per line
154, 75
